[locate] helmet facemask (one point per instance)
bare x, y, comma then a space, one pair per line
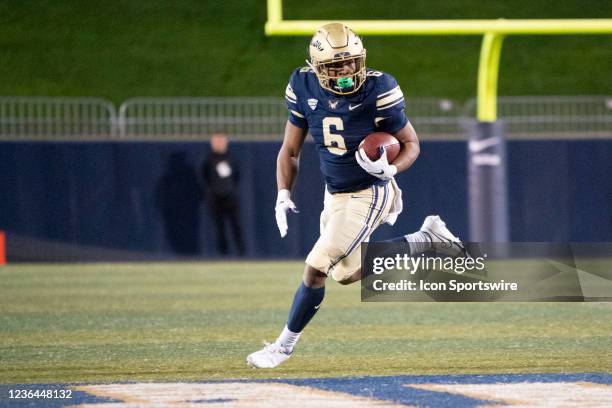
343, 75
337, 57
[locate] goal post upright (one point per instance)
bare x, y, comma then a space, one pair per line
488, 197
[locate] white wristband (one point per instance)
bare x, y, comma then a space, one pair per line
393, 169
283, 194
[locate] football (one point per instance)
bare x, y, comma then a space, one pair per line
374, 142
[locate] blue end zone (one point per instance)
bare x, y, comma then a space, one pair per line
390, 388
393, 388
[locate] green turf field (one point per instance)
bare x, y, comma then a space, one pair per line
194, 321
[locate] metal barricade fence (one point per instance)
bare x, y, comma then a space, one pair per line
436, 118
529, 117
196, 118
52, 118
253, 118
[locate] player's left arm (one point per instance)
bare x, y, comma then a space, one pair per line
391, 118
410, 148
399, 126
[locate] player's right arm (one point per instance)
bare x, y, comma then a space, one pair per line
287, 162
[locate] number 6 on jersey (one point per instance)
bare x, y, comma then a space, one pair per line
333, 141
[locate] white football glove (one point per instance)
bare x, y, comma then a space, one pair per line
379, 168
283, 204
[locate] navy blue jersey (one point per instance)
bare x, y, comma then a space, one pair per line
339, 123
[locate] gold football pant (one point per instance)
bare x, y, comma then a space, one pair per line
347, 220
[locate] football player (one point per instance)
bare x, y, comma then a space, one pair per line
340, 102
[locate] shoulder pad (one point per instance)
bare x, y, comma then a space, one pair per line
388, 92
374, 73
383, 82
304, 70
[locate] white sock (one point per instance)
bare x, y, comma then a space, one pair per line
419, 242
288, 338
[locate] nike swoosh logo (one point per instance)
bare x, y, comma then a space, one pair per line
351, 107
317, 307
380, 172
476, 146
378, 120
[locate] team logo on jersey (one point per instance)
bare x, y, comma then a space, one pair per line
312, 103
333, 105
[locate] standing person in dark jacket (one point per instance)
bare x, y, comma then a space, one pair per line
221, 176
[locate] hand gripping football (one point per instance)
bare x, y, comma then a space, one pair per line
373, 146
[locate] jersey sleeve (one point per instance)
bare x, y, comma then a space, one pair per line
390, 116
292, 100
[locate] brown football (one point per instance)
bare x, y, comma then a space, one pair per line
374, 142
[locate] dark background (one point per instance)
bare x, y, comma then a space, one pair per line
141, 200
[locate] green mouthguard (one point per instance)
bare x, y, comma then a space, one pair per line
345, 82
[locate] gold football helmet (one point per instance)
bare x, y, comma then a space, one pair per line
337, 57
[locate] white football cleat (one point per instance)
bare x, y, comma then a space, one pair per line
269, 357
442, 239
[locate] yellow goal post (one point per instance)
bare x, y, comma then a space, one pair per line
493, 32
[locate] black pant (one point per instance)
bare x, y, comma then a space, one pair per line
227, 208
